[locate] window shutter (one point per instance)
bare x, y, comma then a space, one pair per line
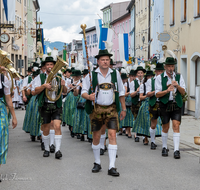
195, 8
182, 10
171, 12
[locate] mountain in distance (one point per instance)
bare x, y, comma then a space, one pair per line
59, 45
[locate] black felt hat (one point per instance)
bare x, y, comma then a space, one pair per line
150, 73
29, 69
111, 62
49, 59
85, 71
170, 61
159, 66
103, 53
140, 68
76, 73
132, 72
124, 76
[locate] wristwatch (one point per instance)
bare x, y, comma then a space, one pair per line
125, 110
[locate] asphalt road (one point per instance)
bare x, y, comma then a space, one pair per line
140, 168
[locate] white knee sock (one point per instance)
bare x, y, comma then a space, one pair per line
46, 142
164, 139
96, 151
102, 140
52, 136
176, 139
152, 134
112, 151
58, 142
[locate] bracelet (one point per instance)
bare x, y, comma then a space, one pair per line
125, 110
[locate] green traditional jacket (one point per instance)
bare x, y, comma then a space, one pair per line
135, 99
152, 100
165, 98
88, 106
42, 95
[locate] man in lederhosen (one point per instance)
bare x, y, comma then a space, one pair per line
169, 86
50, 110
109, 91
153, 103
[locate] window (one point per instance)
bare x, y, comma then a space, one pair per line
172, 12
196, 8
91, 39
95, 38
197, 70
25, 3
183, 10
25, 27
88, 40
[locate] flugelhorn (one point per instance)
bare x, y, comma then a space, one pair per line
52, 79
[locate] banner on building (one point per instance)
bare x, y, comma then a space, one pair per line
123, 47
103, 34
84, 50
40, 42
9, 7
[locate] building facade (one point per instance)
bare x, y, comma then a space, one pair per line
131, 9
142, 29
120, 25
157, 27
113, 11
182, 22
18, 45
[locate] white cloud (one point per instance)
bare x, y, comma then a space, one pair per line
65, 28
59, 34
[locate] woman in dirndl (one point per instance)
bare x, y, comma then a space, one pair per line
4, 132
128, 121
35, 121
70, 105
142, 122
81, 119
29, 109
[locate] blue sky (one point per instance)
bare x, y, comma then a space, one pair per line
62, 18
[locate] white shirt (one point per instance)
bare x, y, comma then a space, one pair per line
37, 83
105, 97
132, 85
158, 84
6, 85
149, 87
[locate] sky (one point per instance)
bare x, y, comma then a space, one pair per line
62, 18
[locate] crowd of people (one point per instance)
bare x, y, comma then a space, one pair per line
95, 105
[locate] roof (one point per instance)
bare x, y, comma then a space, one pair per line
130, 5
108, 6
89, 29
36, 4
120, 18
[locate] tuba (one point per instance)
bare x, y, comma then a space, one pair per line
7, 63
52, 94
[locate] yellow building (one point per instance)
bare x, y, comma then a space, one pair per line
142, 29
182, 22
20, 48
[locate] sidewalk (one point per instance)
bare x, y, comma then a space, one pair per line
190, 127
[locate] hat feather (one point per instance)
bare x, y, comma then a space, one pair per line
171, 53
